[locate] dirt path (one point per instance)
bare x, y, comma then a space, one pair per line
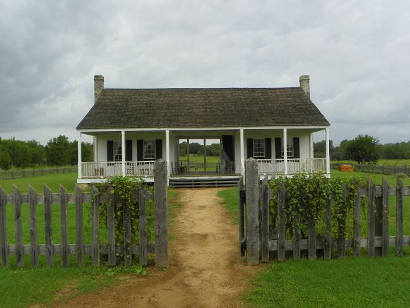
204, 270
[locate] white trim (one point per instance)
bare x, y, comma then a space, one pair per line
79, 156
167, 152
327, 151
285, 149
103, 180
242, 150
197, 128
123, 152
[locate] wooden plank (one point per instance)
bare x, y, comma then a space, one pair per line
95, 226
161, 213
327, 252
241, 224
296, 238
127, 233
311, 239
281, 222
111, 231
18, 226
48, 200
143, 227
342, 226
33, 226
3, 228
371, 217
399, 218
356, 225
378, 223
265, 221
252, 211
385, 228
79, 225
63, 226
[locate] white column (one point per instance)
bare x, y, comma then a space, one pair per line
79, 154
311, 151
327, 151
123, 152
167, 151
242, 150
285, 149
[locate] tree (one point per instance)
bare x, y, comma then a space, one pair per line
362, 149
5, 161
58, 151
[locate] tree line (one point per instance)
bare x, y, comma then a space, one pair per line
364, 149
199, 149
58, 151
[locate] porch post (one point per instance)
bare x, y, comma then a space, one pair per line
79, 155
123, 152
285, 149
327, 151
312, 151
242, 150
167, 151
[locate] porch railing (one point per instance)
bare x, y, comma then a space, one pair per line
113, 168
295, 165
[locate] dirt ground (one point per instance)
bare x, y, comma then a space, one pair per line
204, 270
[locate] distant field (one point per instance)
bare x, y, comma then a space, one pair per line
386, 162
200, 158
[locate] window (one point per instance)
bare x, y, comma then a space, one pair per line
149, 150
117, 151
290, 148
259, 148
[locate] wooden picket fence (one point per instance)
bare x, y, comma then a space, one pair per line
96, 249
260, 240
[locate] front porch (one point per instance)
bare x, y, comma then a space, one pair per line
132, 152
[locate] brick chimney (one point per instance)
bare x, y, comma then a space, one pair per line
304, 84
98, 86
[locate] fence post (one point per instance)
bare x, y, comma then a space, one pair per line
385, 192
79, 225
63, 226
32, 196
265, 221
95, 243
399, 218
281, 222
161, 212
371, 217
356, 224
241, 225
378, 223
48, 200
111, 229
252, 211
3, 229
19, 227
142, 195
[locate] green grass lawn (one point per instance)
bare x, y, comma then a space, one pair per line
387, 162
200, 158
347, 282
68, 180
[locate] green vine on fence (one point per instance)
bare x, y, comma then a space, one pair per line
307, 195
123, 192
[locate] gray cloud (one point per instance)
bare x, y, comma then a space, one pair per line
355, 51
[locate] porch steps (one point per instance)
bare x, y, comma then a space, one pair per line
197, 182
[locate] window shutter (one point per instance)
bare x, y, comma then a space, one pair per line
110, 150
158, 149
128, 150
296, 147
278, 146
268, 148
140, 150
249, 147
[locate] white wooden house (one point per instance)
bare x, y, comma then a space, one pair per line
134, 127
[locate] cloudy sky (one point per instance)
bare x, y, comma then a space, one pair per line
356, 52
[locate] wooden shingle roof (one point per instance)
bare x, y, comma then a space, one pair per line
206, 107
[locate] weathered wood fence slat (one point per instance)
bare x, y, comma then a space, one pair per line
80, 248
267, 238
